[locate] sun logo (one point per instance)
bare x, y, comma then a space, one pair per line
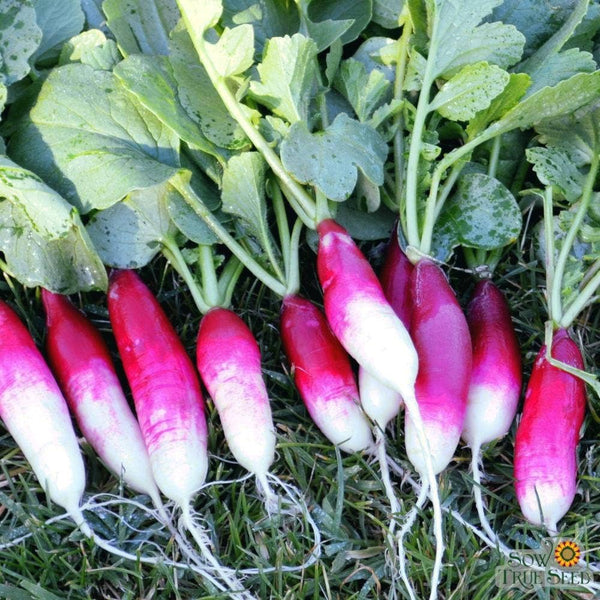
567, 554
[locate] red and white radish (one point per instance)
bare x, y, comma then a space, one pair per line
168, 400
165, 387
35, 413
323, 375
367, 326
496, 378
228, 359
379, 401
359, 314
548, 433
82, 364
441, 336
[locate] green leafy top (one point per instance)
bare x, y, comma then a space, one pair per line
568, 165
287, 102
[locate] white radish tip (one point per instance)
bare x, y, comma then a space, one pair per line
490, 412
442, 440
545, 503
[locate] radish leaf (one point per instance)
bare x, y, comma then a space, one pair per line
549, 102
365, 91
141, 26
128, 234
58, 21
548, 65
557, 167
330, 22
461, 39
203, 15
151, 80
515, 89
91, 48
20, 37
482, 213
234, 52
387, 13
471, 90
357, 13
207, 108
537, 21
561, 66
330, 159
42, 237
288, 77
269, 18
244, 194
90, 142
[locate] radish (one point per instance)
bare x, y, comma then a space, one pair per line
367, 326
441, 336
496, 378
82, 364
168, 400
495, 383
165, 388
323, 375
547, 435
395, 279
36, 415
379, 401
545, 466
229, 362
359, 314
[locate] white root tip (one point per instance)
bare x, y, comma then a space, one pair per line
478, 495
429, 479
270, 498
227, 576
406, 527
395, 508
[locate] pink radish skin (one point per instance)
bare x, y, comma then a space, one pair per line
323, 375
359, 314
36, 415
395, 279
441, 336
229, 362
83, 367
165, 387
379, 401
496, 377
547, 436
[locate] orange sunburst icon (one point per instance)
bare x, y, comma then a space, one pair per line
567, 554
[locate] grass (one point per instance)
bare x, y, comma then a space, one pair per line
344, 492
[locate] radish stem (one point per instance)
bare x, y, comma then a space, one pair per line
237, 112
567, 243
243, 256
399, 118
209, 276
414, 153
172, 253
